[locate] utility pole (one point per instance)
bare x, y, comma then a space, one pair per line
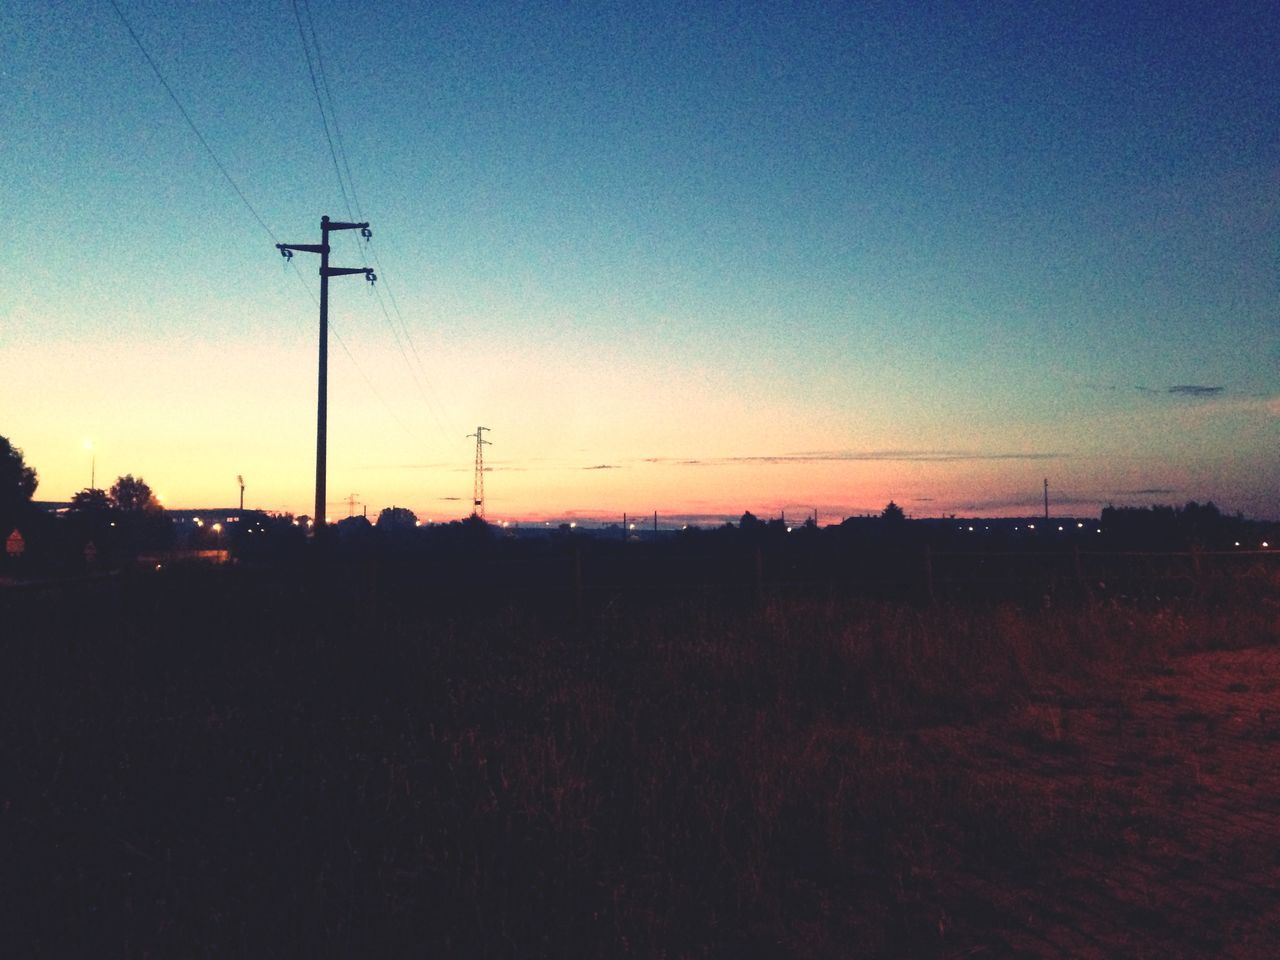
477, 489
351, 504
322, 404
240, 480
1046, 498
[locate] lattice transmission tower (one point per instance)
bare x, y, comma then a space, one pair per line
477, 491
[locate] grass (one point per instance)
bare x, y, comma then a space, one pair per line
200, 763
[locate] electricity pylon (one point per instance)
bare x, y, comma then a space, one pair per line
322, 404
477, 490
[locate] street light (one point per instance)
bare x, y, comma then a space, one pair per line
93, 463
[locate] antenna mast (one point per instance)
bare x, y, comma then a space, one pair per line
477, 491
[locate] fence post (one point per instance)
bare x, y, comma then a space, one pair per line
577, 582
759, 575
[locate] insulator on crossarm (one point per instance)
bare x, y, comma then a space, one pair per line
366, 233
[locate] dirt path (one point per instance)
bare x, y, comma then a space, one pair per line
1181, 776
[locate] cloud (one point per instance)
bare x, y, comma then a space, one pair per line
603, 466
1149, 492
1030, 506
853, 456
448, 498
1195, 390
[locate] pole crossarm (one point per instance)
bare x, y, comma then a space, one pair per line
303, 247
343, 271
327, 224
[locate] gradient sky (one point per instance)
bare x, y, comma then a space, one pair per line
697, 258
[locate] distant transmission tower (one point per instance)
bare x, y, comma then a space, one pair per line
477, 493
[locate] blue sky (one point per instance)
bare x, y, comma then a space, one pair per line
835, 254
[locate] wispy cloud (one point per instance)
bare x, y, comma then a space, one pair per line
1031, 506
1182, 390
838, 456
603, 466
1149, 492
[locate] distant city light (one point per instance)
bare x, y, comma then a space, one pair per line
1079, 526
1265, 545
1031, 526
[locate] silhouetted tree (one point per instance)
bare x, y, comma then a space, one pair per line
397, 518
91, 500
749, 521
17, 483
893, 513
132, 495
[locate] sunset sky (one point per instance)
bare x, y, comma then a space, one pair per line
696, 258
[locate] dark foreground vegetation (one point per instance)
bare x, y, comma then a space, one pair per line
223, 762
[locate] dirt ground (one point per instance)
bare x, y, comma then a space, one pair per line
1184, 763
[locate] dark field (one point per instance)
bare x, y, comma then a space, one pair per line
221, 763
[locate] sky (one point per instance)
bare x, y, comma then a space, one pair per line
693, 258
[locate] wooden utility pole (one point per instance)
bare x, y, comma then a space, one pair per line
322, 390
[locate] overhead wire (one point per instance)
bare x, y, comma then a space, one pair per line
421, 378
191, 123
333, 114
324, 120
245, 200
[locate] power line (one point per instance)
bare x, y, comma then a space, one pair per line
191, 123
328, 112
245, 200
324, 120
333, 113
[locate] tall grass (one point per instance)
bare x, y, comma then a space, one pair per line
201, 764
